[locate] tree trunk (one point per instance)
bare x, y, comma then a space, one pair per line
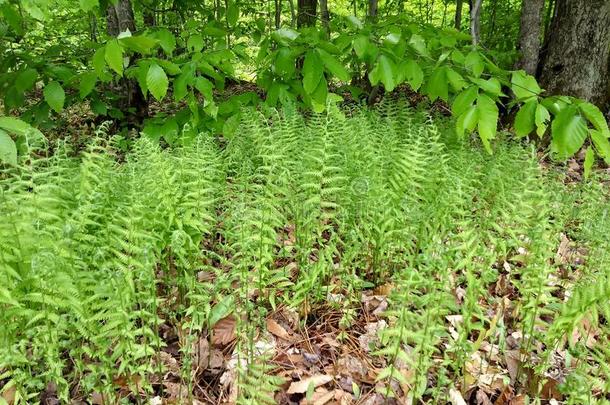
576, 59
325, 16
278, 13
307, 13
458, 14
529, 36
475, 21
372, 12
293, 14
119, 18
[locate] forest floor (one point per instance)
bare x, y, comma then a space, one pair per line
377, 260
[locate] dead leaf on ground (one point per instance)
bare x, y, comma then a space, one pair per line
9, 394
201, 354
278, 330
456, 397
300, 387
482, 398
224, 332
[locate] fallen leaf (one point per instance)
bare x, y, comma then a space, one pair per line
482, 398
299, 387
224, 332
201, 354
9, 394
276, 329
456, 397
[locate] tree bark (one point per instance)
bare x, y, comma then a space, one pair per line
458, 14
576, 59
475, 21
372, 12
278, 13
293, 14
307, 13
119, 18
324, 14
529, 35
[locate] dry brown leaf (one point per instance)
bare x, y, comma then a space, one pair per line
277, 330
384, 289
456, 397
9, 394
319, 397
299, 387
175, 391
201, 354
352, 366
223, 332
511, 357
518, 400
96, 399
482, 398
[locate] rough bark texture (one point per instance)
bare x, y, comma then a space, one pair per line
475, 20
529, 35
458, 14
575, 62
372, 12
278, 13
307, 13
119, 18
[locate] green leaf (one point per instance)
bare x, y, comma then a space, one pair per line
319, 96
437, 86
595, 117
464, 100
285, 62
141, 43
205, 87
99, 64
26, 79
156, 81
569, 131
589, 160
88, 5
467, 121
333, 66
312, 71
384, 72
525, 121
55, 96
221, 310
362, 46
474, 62
455, 79
419, 44
167, 41
602, 144
355, 22
8, 149
114, 56
412, 73
87, 84
524, 86
232, 13
491, 86
285, 35
195, 43
542, 118
488, 120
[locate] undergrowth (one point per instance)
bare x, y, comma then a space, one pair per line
103, 253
